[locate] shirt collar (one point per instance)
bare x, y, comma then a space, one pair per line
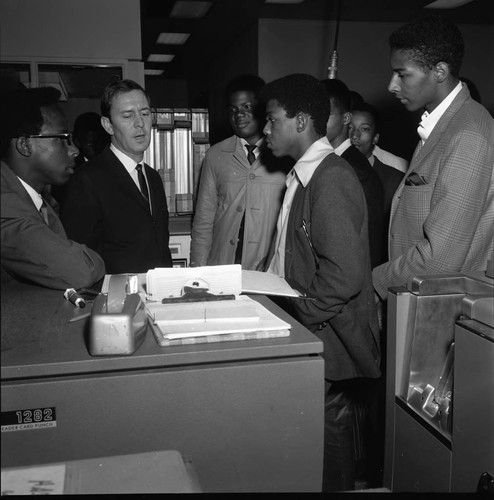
311, 159
258, 144
429, 120
127, 161
244, 142
35, 196
343, 147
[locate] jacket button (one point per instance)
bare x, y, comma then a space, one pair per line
240, 209
232, 242
252, 176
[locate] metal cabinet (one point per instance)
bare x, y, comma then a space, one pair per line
248, 414
440, 384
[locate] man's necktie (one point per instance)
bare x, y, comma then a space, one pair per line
250, 153
142, 182
251, 157
44, 212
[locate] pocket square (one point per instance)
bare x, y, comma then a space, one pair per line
415, 179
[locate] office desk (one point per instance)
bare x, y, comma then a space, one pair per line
248, 414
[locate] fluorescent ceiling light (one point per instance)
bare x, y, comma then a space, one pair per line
172, 38
160, 57
154, 72
447, 4
183, 9
284, 1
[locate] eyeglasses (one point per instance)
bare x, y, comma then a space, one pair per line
66, 137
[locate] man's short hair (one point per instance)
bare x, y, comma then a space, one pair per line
365, 107
246, 83
338, 93
21, 113
430, 40
115, 88
300, 93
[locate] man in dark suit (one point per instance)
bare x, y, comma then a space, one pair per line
115, 203
337, 134
322, 249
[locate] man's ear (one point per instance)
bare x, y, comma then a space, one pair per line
441, 71
301, 121
375, 139
23, 146
106, 124
347, 118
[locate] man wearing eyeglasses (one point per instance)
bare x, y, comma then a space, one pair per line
37, 151
241, 187
115, 203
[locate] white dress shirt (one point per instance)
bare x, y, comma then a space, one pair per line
429, 121
35, 196
130, 165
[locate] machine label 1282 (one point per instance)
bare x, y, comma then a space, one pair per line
29, 419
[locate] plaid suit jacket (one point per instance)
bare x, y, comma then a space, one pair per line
445, 225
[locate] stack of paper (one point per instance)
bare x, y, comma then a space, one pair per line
183, 321
240, 316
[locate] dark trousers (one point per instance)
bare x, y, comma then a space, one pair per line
348, 432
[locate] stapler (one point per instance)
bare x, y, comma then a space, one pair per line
118, 320
197, 290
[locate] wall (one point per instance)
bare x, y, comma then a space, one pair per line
240, 57
287, 46
88, 29
73, 31
167, 92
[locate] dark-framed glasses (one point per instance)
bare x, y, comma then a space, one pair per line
65, 137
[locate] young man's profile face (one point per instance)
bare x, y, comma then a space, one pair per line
130, 123
54, 157
280, 130
414, 86
336, 122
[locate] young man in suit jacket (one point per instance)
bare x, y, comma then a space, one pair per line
37, 151
115, 203
442, 215
322, 250
337, 134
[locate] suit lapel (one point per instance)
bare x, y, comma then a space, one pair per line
423, 150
